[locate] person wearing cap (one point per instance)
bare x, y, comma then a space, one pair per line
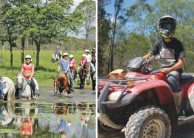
72, 61
93, 51
171, 55
82, 62
93, 74
88, 59
72, 65
27, 70
64, 67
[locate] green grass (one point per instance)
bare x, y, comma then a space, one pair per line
44, 73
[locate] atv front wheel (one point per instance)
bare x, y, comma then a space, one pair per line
149, 122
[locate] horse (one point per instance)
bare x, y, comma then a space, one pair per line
82, 75
73, 72
24, 87
93, 76
8, 113
56, 57
8, 88
62, 83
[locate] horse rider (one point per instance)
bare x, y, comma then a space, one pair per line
93, 77
27, 70
72, 65
82, 62
64, 67
93, 51
88, 59
72, 62
1, 89
58, 52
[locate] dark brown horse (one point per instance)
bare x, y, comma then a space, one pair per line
73, 72
82, 75
62, 84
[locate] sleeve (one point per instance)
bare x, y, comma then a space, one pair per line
155, 49
181, 50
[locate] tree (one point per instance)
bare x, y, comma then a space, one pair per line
40, 21
103, 39
88, 8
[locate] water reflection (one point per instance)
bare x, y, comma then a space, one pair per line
59, 120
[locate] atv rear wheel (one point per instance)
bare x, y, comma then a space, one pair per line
149, 122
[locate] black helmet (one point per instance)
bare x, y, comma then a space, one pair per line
167, 26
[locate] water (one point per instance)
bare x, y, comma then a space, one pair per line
47, 120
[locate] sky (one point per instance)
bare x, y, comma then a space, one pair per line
127, 3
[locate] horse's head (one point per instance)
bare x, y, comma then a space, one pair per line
19, 80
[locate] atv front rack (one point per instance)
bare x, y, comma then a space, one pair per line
102, 100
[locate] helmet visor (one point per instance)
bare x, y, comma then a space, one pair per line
167, 26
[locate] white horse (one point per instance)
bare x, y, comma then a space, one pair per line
8, 88
25, 88
56, 57
8, 113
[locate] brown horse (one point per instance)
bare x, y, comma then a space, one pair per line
73, 72
62, 83
82, 75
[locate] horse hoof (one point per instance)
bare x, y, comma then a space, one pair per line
34, 97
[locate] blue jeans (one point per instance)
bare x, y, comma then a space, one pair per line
173, 80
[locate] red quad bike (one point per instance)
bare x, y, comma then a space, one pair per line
142, 104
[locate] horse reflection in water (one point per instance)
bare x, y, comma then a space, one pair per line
48, 120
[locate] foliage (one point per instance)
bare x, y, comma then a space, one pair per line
40, 21
139, 31
88, 8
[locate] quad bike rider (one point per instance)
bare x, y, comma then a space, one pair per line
145, 103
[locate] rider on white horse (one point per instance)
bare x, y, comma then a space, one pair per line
27, 71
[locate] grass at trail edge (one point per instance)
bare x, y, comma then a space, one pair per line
44, 73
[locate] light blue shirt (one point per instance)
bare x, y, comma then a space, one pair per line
64, 64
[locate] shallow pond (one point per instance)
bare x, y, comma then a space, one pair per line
47, 120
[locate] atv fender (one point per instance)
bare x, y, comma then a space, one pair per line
162, 89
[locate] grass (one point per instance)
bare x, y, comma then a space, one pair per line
44, 73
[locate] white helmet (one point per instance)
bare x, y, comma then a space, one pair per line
86, 50
65, 54
28, 57
84, 55
71, 56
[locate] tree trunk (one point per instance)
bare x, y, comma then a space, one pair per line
11, 51
37, 52
22, 49
11, 55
